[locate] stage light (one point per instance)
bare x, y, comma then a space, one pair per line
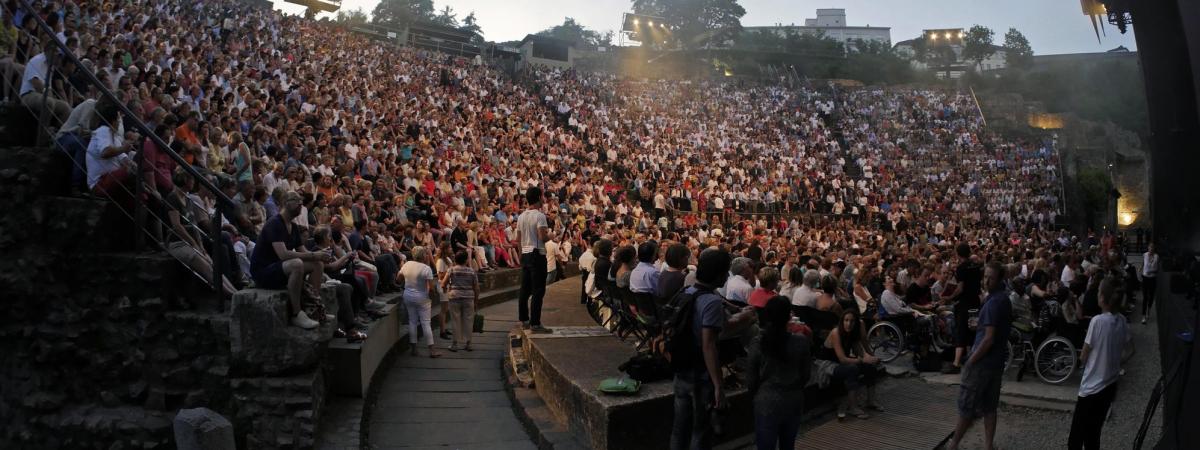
635, 22
933, 36
960, 35
651, 23
947, 35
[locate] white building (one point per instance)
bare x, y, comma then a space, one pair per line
908, 49
832, 23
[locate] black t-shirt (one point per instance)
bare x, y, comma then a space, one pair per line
918, 295
458, 239
275, 230
970, 276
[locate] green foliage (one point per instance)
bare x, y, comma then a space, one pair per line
353, 17
470, 23
400, 12
1019, 53
1104, 91
977, 44
570, 30
696, 23
446, 17
1095, 193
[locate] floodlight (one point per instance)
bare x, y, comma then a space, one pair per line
651, 23
947, 35
933, 36
635, 21
960, 35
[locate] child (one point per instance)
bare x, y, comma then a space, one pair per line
1101, 356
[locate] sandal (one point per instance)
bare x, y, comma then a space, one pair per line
453, 348
355, 337
339, 333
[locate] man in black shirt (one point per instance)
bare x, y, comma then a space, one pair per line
280, 260
969, 275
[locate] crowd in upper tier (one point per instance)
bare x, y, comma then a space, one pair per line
392, 148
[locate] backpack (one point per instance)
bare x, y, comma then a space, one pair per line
647, 367
677, 343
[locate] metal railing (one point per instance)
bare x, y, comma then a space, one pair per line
140, 214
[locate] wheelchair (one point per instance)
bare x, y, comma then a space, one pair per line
892, 335
1046, 346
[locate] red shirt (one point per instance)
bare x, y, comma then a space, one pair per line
759, 297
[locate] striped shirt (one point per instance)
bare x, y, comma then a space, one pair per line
462, 283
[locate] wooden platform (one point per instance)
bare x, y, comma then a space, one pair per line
918, 416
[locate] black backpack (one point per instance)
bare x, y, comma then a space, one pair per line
677, 343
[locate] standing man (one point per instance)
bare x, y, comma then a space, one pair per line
981, 375
532, 230
698, 389
1101, 358
966, 298
1150, 268
280, 260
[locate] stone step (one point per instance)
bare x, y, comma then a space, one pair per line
543, 427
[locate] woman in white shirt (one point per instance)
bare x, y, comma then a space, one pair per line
418, 283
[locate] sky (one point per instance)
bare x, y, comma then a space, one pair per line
1052, 26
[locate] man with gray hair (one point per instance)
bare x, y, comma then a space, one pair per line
741, 280
808, 292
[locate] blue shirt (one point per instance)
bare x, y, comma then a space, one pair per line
995, 312
644, 278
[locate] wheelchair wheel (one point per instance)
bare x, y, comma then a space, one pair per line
1055, 360
1012, 356
886, 340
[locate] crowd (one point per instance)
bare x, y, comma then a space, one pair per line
391, 168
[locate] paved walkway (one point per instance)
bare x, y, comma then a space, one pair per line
457, 401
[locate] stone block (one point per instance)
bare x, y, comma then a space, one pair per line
262, 339
203, 429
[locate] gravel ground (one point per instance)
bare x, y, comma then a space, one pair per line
1023, 428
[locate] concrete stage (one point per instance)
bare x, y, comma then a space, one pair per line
569, 364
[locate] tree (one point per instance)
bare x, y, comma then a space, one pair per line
446, 17
1019, 53
977, 44
696, 23
351, 17
400, 12
570, 30
471, 24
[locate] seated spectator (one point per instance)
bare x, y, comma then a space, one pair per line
671, 279
182, 241
109, 164
741, 281
768, 281
856, 367
644, 278
280, 261
809, 291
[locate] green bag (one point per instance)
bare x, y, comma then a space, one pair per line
478, 327
620, 386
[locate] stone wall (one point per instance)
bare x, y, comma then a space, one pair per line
100, 346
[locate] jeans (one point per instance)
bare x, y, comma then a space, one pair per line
1149, 287
533, 287
75, 147
693, 399
776, 431
1089, 417
856, 375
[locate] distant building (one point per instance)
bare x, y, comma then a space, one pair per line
1120, 55
938, 40
547, 51
832, 23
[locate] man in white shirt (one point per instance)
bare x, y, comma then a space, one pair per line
34, 91
1150, 266
532, 231
740, 283
1101, 357
108, 159
807, 293
552, 259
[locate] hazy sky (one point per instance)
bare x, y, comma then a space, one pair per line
1052, 26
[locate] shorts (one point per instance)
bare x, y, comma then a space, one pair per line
270, 277
979, 394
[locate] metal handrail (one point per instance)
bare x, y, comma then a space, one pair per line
221, 199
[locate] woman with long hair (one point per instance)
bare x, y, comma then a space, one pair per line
856, 366
776, 373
